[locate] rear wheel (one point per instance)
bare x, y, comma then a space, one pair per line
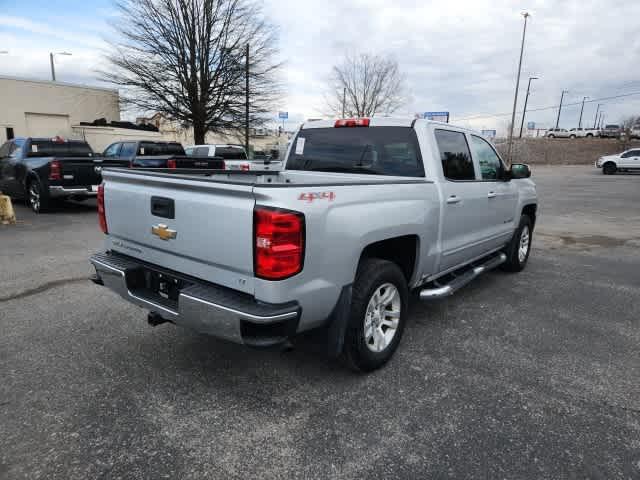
609, 168
589, 135
572, 136
37, 198
378, 314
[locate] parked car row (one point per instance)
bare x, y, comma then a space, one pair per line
41, 170
608, 131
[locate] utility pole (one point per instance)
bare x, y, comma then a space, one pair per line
581, 110
595, 119
344, 100
560, 108
246, 100
526, 99
53, 68
515, 95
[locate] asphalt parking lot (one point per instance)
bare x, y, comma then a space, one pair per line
534, 375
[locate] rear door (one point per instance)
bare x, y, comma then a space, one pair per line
464, 225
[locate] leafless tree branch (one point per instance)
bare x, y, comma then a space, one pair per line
185, 59
370, 84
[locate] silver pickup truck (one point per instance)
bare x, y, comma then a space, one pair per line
365, 211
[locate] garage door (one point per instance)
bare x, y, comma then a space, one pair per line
47, 125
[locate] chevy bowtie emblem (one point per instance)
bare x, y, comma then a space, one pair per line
164, 232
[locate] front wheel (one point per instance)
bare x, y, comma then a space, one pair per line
609, 168
519, 247
379, 308
550, 136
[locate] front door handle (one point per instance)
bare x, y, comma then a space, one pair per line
492, 195
453, 199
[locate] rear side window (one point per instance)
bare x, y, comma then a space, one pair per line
230, 153
128, 150
201, 151
455, 155
47, 148
373, 150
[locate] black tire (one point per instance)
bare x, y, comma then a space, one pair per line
589, 135
551, 136
371, 277
516, 260
37, 198
572, 136
609, 168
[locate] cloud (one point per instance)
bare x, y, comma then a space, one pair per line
459, 56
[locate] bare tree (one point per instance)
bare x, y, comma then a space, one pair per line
368, 84
186, 60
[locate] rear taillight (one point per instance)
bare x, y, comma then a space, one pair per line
171, 163
279, 243
55, 170
352, 122
244, 167
102, 215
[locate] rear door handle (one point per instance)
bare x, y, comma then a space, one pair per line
492, 195
453, 199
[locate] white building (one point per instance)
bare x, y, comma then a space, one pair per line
36, 108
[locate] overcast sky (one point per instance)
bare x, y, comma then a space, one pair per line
458, 56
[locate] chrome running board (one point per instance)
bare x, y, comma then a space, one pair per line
440, 291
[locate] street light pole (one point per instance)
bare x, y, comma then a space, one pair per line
595, 119
515, 95
526, 99
53, 68
581, 110
560, 108
246, 100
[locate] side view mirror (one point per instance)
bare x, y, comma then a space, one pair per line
519, 170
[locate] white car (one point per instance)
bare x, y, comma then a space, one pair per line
557, 133
584, 132
634, 132
626, 161
235, 157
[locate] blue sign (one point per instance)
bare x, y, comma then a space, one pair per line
489, 133
437, 116
283, 115
531, 125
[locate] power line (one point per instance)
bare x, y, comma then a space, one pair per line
553, 107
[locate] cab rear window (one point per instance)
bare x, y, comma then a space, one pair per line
370, 150
148, 149
47, 148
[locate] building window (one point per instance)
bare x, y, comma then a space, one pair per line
9, 132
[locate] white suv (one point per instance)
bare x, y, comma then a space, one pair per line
584, 132
557, 133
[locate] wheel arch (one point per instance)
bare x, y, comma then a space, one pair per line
402, 250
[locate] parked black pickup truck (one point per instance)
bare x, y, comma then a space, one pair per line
43, 169
150, 154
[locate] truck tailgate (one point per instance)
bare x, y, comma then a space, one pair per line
79, 172
199, 228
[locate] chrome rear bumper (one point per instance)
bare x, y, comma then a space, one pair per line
200, 306
58, 191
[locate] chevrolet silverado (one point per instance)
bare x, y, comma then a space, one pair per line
365, 211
